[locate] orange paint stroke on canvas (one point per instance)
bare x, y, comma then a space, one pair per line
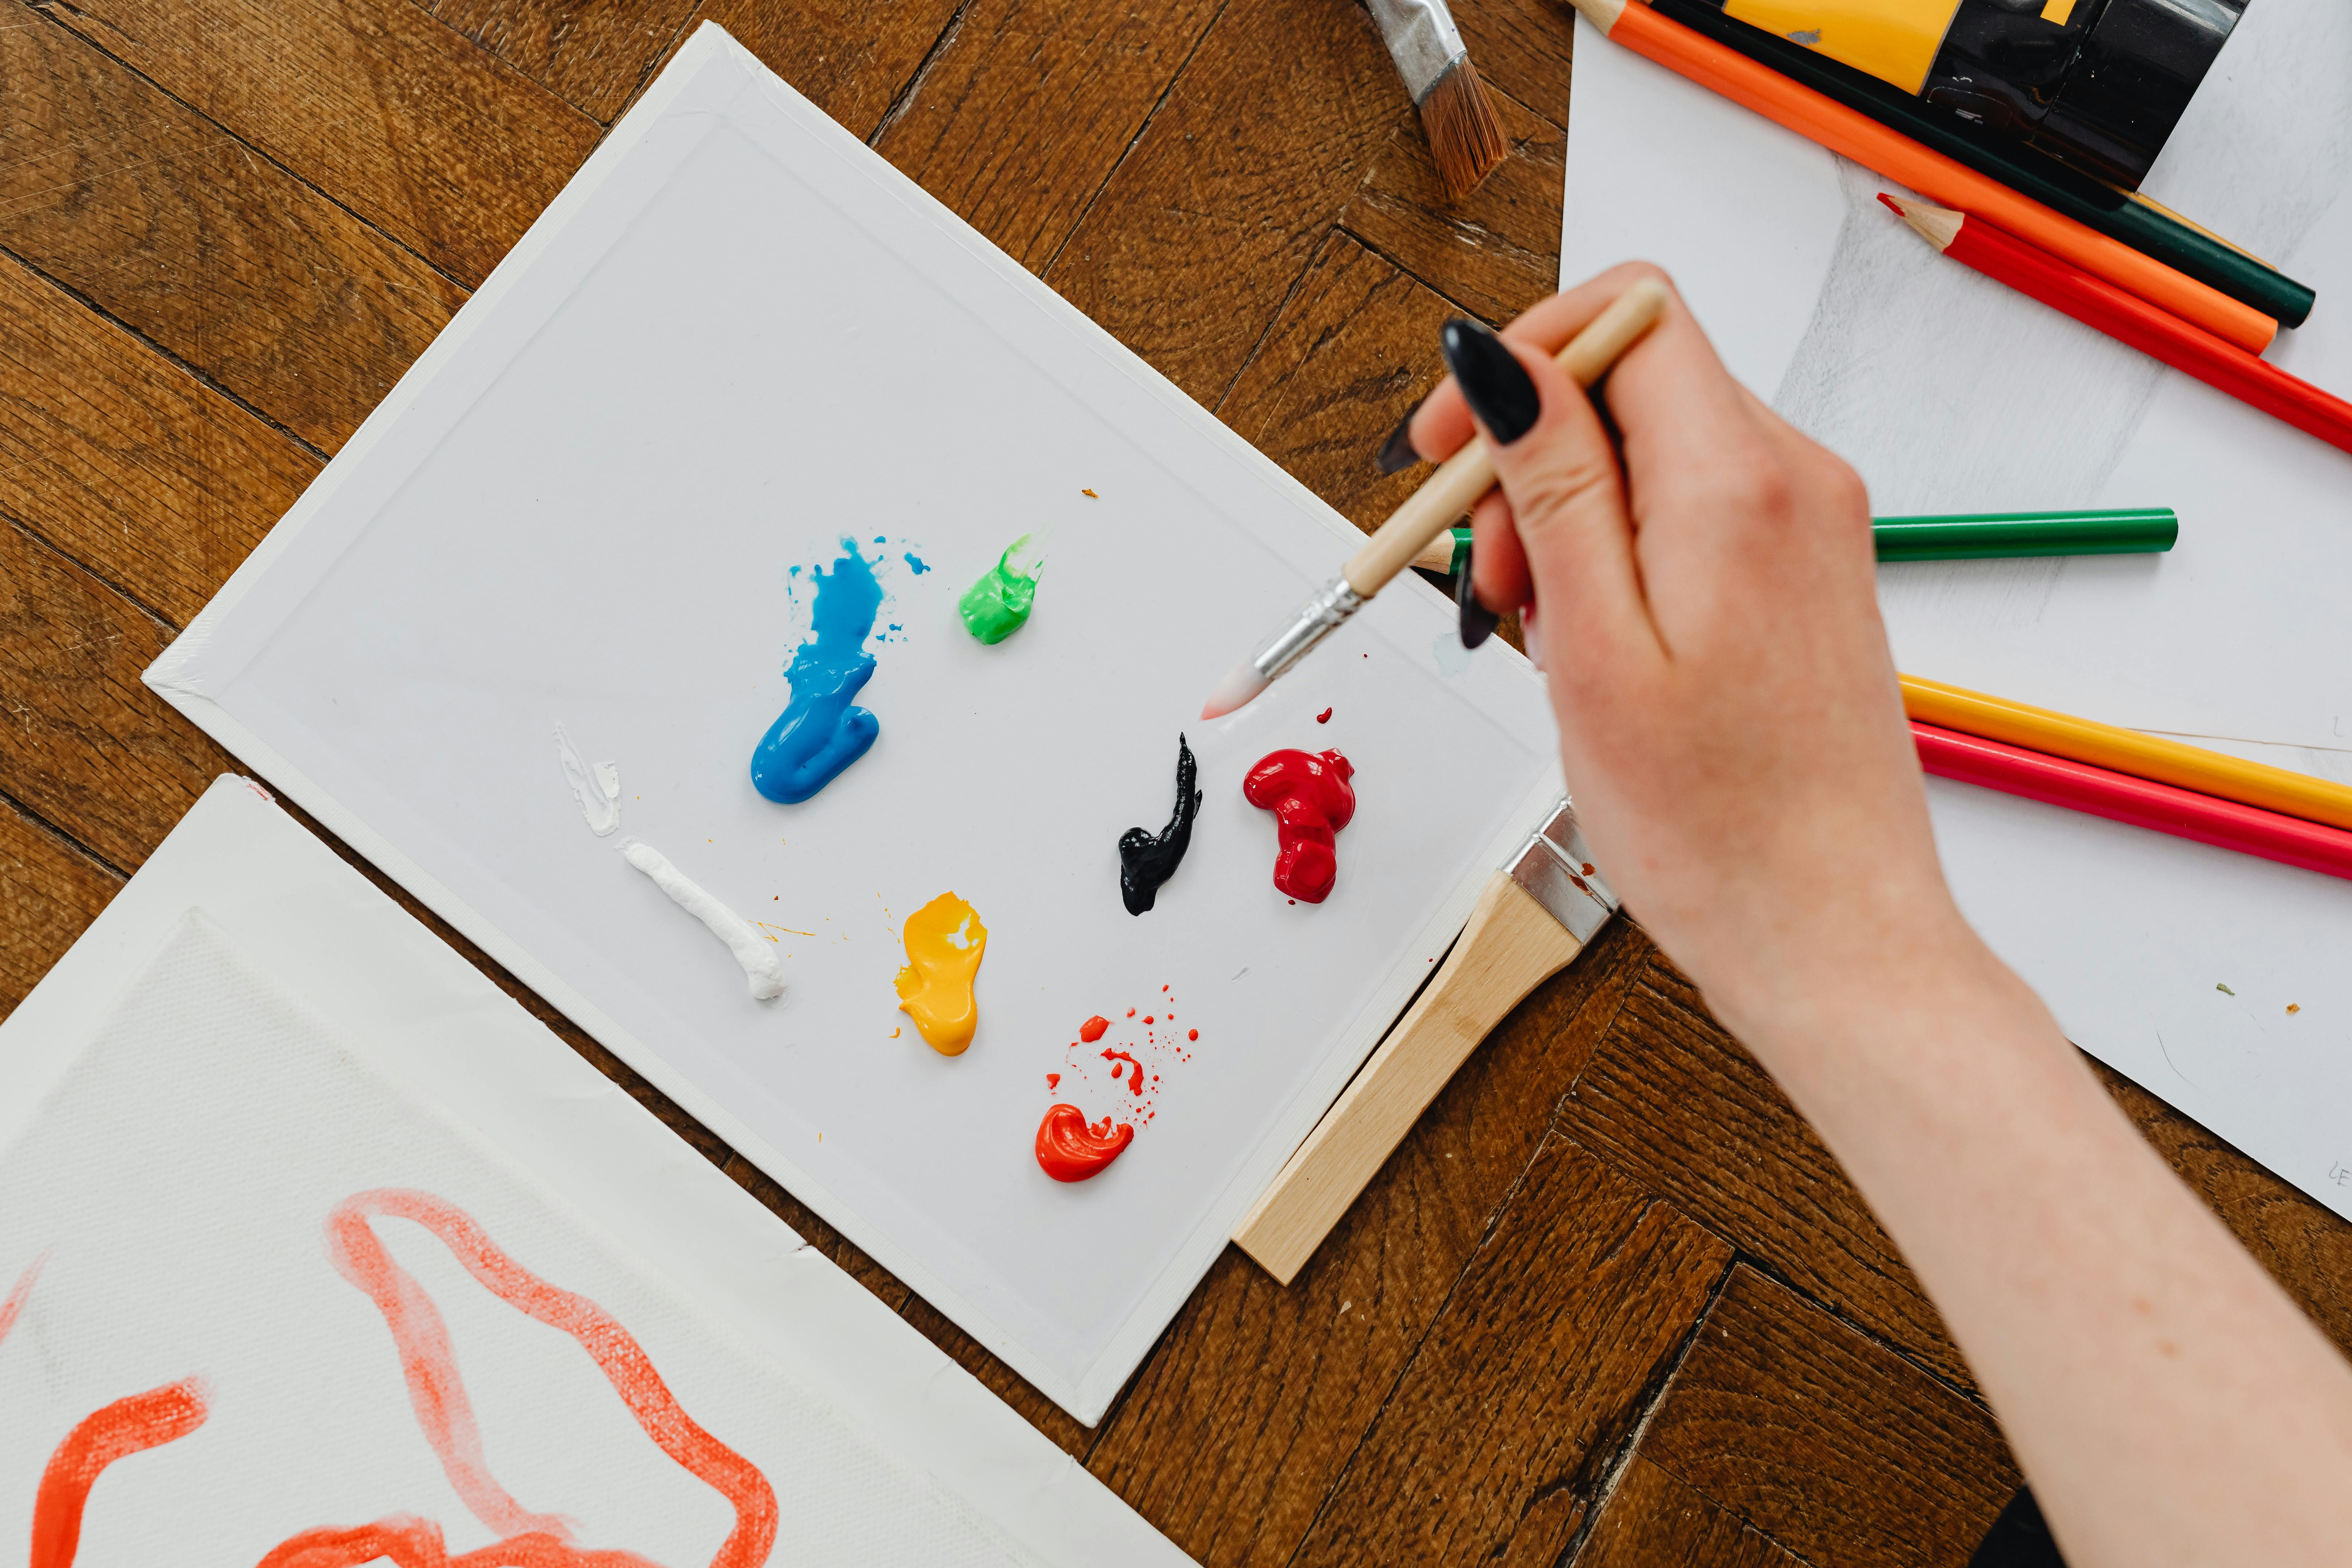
411, 1542
15, 1303
139, 1421
438, 1397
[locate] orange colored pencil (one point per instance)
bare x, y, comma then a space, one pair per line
1853, 135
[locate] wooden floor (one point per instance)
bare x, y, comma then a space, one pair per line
1611, 1303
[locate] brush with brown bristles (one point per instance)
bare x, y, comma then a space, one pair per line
1465, 139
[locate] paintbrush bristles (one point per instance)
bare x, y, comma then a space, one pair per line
1465, 137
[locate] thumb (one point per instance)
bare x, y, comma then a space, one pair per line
1567, 493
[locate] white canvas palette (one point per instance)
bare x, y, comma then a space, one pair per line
736, 338
249, 1041
2172, 962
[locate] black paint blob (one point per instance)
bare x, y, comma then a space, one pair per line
1145, 862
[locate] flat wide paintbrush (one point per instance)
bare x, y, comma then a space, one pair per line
1537, 914
1465, 139
1447, 494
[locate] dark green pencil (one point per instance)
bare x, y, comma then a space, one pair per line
2149, 229
1964, 536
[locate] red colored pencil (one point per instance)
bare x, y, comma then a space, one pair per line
2166, 808
2128, 319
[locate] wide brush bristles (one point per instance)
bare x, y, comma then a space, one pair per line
1466, 138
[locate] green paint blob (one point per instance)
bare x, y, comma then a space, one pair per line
998, 605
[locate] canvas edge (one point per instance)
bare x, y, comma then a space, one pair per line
973, 1444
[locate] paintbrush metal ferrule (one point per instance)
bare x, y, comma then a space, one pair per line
1555, 868
1422, 39
1321, 615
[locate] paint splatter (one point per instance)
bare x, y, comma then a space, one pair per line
945, 943
997, 605
1324, 717
1070, 1150
1090, 495
1193, 1034
597, 789
1121, 1058
1311, 800
1146, 862
2224, 989
127, 1426
762, 970
437, 1397
821, 731
23, 1288
1092, 1030
918, 565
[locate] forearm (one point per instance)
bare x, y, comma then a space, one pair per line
2169, 1401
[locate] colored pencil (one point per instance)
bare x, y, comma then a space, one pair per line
1967, 536
1976, 242
2122, 751
2120, 797
1853, 134
2148, 227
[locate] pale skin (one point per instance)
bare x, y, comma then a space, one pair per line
1731, 728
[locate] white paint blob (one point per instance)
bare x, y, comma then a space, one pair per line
755, 953
597, 791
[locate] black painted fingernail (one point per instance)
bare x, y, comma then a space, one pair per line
1492, 379
1396, 452
1477, 622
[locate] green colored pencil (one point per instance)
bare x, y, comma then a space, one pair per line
1963, 536
2137, 530
2148, 228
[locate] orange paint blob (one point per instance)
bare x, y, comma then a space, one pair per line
1070, 1150
1092, 1030
1192, 1034
945, 941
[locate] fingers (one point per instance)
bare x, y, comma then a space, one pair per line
1567, 504
1443, 422
1498, 566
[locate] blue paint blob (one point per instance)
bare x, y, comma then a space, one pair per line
918, 562
821, 731
879, 539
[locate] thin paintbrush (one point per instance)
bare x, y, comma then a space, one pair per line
1448, 493
1465, 139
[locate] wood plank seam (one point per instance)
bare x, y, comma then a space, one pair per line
1143, 127
1649, 1400
1339, 226
86, 41
1266, 334
904, 99
163, 623
1771, 1272
66, 840
1643, 983
149, 344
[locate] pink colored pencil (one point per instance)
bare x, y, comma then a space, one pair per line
2120, 797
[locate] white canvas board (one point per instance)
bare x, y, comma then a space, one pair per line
736, 338
249, 1038
1950, 394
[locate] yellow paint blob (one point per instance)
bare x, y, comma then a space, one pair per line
944, 943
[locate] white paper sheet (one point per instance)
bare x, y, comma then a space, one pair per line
1951, 394
736, 337
251, 1035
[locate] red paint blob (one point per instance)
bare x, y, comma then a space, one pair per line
1070, 1150
146, 1420
1147, 1018
1192, 1034
1053, 1080
1311, 801
1324, 717
1092, 1030
1115, 1057
1130, 1011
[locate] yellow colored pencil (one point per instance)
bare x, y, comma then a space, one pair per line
2127, 752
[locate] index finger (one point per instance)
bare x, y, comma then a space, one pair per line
1443, 424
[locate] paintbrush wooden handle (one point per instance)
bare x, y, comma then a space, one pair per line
1469, 473
1511, 945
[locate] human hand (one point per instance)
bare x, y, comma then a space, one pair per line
1703, 598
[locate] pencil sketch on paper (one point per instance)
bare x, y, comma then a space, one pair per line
159, 1417
1916, 369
